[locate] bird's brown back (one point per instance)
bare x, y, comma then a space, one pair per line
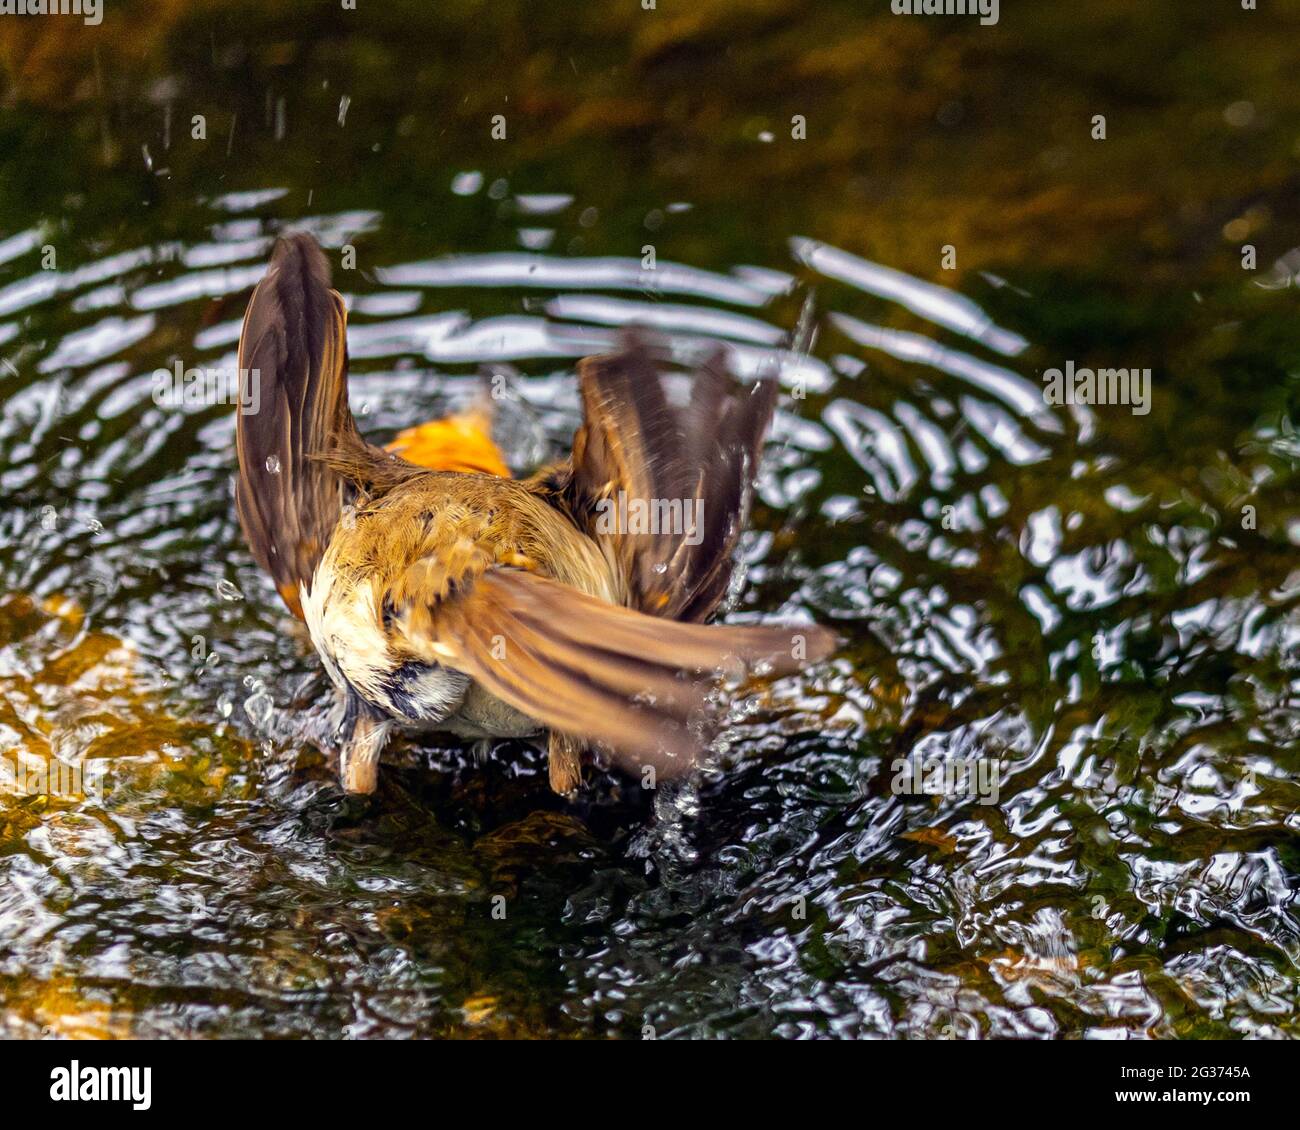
456, 525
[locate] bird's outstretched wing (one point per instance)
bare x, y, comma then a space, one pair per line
293, 373
664, 489
579, 665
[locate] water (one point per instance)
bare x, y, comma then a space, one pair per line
1094, 610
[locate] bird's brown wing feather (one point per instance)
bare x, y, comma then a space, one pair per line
293, 345
634, 444
584, 667
300, 449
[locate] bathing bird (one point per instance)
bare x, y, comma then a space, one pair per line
443, 594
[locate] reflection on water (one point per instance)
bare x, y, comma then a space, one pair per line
1102, 606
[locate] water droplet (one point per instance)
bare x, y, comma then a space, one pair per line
227, 590
95, 526
49, 518
1239, 114
466, 184
344, 103
661, 568
225, 707
259, 708
273, 464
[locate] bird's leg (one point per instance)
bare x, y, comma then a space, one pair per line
564, 760
359, 758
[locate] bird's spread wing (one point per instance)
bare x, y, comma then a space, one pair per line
664, 489
293, 409
582, 666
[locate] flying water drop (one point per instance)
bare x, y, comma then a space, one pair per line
227, 590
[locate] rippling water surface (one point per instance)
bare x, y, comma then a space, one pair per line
1100, 606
